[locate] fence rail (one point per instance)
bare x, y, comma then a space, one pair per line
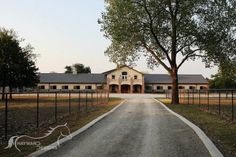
24, 112
221, 102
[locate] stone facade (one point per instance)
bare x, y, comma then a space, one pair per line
120, 80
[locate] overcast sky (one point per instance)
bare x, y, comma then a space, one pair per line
64, 32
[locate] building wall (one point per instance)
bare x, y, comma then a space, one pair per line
132, 79
118, 76
70, 86
185, 86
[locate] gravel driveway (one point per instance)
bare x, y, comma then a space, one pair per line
139, 128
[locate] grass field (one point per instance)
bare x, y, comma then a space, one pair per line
22, 118
222, 107
221, 131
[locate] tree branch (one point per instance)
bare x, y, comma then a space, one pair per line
185, 45
190, 54
156, 57
153, 33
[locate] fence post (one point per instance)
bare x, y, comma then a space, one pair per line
108, 96
97, 97
193, 96
79, 101
86, 101
208, 101
6, 115
91, 98
69, 103
188, 97
56, 106
199, 98
37, 109
232, 105
219, 102
100, 97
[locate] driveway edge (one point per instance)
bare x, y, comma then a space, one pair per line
213, 150
77, 132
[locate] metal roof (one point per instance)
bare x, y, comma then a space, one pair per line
166, 79
101, 78
71, 78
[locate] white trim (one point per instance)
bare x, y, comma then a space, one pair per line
206, 141
65, 139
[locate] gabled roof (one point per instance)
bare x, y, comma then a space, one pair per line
71, 78
166, 79
110, 71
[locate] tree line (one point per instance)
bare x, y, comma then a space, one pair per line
17, 63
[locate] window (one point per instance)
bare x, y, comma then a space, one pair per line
88, 87
181, 87
191, 87
124, 75
202, 87
135, 77
53, 87
41, 87
169, 87
76, 87
99, 86
65, 87
113, 77
159, 87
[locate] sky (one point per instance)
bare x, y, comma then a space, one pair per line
64, 32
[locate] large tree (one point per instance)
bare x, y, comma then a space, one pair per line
77, 68
170, 32
17, 66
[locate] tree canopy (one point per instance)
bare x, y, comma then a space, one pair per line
225, 78
77, 68
170, 32
17, 66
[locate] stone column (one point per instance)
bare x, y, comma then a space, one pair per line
131, 85
143, 85
119, 86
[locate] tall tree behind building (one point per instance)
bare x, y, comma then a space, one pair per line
77, 68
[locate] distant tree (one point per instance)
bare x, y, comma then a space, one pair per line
225, 78
170, 32
77, 68
80, 68
69, 69
17, 66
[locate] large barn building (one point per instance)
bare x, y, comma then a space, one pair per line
120, 80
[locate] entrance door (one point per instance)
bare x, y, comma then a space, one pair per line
125, 88
137, 88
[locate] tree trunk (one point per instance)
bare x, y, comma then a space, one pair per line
175, 89
3, 92
10, 93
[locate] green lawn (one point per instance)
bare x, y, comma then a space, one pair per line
222, 132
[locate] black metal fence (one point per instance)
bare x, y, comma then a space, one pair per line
21, 113
221, 102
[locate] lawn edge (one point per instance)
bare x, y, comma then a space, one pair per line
213, 150
75, 133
